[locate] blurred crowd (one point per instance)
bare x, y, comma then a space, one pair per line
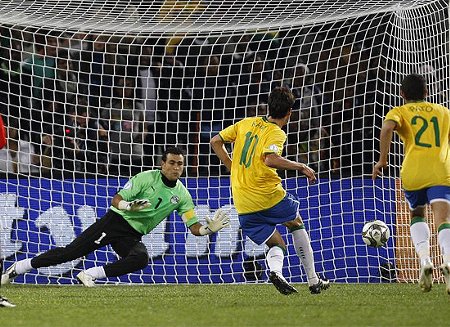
79, 104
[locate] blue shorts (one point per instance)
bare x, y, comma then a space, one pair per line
431, 194
259, 226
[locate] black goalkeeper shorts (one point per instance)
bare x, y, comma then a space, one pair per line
111, 229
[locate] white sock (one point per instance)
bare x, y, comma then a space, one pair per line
420, 236
96, 272
304, 251
444, 243
275, 257
23, 266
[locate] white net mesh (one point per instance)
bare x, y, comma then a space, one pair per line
93, 91
173, 16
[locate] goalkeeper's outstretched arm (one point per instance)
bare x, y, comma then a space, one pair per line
220, 220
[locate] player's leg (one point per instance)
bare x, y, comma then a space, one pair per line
136, 258
4, 302
126, 242
275, 257
94, 237
131, 259
304, 250
420, 236
441, 212
302, 243
439, 197
262, 229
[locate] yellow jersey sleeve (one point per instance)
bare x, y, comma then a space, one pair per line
228, 134
275, 142
396, 116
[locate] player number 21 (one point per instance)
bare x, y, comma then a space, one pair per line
415, 120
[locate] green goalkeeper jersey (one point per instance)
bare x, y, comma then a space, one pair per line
148, 185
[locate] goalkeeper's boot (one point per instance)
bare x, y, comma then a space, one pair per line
322, 285
445, 269
281, 284
4, 303
86, 279
9, 274
426, 276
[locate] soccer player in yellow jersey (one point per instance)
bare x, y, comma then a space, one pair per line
424, 129
258, 195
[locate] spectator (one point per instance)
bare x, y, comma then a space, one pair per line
148, 79
79, 144
254, 85
307, 140
208, 102
147, 84
126, 128
66, 85
97, 72
173, 109
19, 154
38, 74
92, 140
77, 43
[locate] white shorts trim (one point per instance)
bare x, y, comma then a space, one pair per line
274, 230
440, 200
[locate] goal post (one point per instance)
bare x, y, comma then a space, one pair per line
93, 91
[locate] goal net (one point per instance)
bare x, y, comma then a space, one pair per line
93, 91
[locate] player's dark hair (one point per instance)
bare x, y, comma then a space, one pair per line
414, 87
281, 100
172, 150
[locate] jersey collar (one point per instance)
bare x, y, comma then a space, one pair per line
167, 182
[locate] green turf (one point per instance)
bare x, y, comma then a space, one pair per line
225, 305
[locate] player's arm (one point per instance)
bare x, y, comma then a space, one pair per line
387, 131
135, 205
218, 146
273, 160
220, 220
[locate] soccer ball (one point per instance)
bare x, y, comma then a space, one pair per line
375, 233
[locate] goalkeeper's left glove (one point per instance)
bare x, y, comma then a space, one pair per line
220, 220
134, 205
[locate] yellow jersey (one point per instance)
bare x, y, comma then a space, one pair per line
424, 129
255, 186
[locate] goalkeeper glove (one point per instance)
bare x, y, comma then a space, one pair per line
134, 205
220, 220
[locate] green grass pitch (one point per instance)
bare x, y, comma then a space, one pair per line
225, 305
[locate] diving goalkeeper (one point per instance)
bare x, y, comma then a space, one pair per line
145, 200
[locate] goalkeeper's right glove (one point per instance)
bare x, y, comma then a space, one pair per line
134, 205
220, 220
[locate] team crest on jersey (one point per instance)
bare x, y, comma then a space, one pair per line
274, 148
128, 185
174, 199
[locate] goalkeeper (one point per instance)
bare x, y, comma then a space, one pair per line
145, 200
